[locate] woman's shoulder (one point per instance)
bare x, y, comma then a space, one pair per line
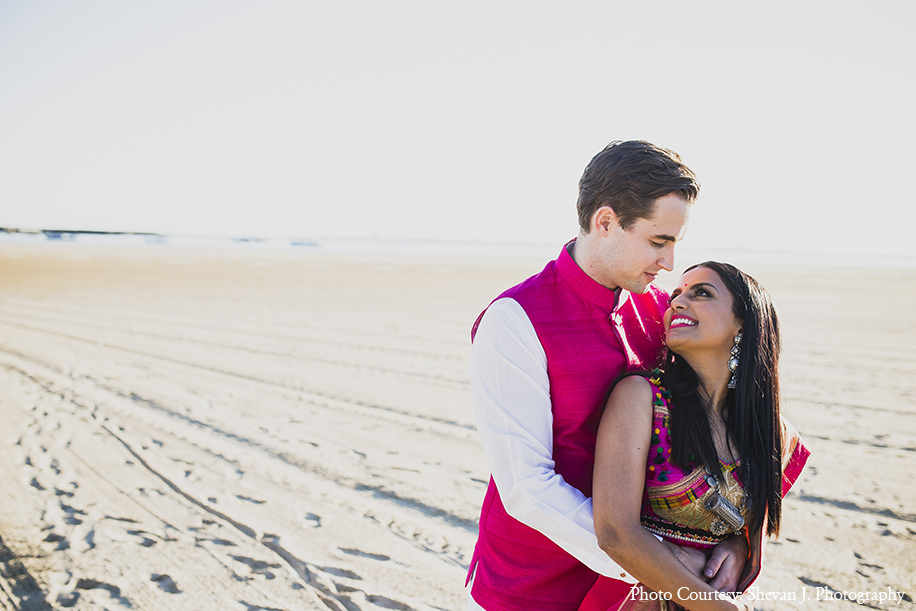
644, 392
629, 408
634, 386
642, 383
633, 391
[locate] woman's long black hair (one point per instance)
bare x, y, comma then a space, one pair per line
752, 408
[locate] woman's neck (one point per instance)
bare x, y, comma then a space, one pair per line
713, 386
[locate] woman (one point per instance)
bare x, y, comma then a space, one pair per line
699, 453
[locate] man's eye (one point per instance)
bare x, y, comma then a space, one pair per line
658, 244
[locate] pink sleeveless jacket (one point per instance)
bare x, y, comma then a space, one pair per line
591, 335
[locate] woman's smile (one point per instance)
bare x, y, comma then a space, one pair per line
682, 321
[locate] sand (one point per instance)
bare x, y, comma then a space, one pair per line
226, 430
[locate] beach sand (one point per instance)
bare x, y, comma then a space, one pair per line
229, 430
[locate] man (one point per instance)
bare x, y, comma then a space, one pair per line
545, 355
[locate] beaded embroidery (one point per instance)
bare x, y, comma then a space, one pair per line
674, 498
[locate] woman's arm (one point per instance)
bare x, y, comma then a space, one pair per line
620, 475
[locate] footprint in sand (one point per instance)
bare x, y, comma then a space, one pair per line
215, 541
144, 540
876, 567
387, 603
257, 568
59, 542
337, 572
312, 520
249, 499
68, 599
165, 583
244, 606
380, 601
113, 591
149, 492
71, 513
117, 519
356, 552
815, 583
84, 539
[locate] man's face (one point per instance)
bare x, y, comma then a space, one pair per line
631, 259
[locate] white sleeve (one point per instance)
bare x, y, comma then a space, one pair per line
511, 395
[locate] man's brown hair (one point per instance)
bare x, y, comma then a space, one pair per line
629, 176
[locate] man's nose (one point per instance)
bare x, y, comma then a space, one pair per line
666, 261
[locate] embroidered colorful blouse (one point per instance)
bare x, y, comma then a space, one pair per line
674, 499
673, 503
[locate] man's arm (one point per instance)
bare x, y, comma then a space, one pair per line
726, 563
511, 396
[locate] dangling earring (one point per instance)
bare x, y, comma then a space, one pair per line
733, 361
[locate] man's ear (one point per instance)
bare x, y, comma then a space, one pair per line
604, 220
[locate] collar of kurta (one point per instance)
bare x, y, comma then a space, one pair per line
585, 285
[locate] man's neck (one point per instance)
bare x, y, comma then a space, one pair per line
578, 250
573, 251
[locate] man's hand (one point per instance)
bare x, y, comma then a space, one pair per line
726, 563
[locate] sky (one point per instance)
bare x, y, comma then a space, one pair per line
468, 120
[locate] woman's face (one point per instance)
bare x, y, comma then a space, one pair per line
700, 320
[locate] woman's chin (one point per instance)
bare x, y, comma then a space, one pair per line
673, 344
